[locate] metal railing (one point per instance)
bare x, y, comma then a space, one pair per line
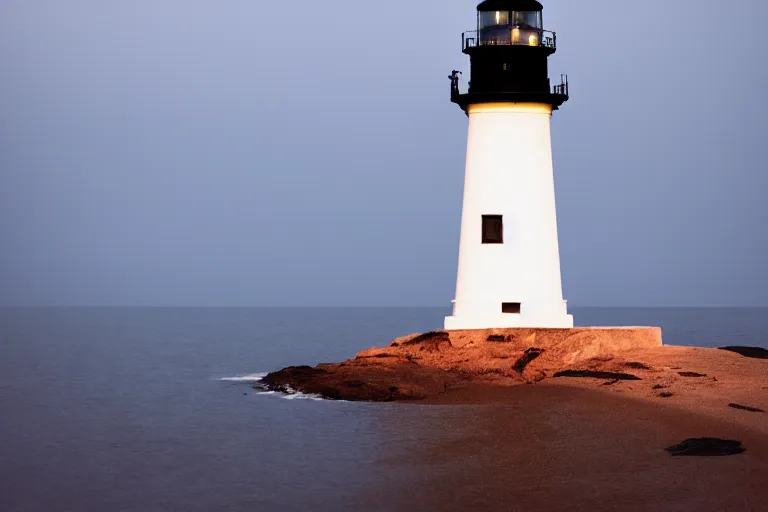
562, 88
474, 38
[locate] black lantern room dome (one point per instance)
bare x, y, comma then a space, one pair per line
509, 54
509, 5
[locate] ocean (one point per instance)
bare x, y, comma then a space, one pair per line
121, 409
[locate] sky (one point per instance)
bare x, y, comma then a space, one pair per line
305, 153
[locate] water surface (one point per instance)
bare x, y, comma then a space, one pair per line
135, 409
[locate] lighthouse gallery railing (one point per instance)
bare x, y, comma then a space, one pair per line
474, 38
561, 89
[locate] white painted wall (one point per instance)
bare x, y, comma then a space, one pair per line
509, 172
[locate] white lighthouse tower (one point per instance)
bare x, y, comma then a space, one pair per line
509, 258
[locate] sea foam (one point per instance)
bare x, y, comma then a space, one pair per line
290, 394
254, 377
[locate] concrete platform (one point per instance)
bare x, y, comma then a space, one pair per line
597, 340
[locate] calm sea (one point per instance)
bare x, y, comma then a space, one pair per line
152, 409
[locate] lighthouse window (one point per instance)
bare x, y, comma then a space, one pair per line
492, 18
522, 19
493, 229
511, 308
529, 19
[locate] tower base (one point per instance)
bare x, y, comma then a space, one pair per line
504, 321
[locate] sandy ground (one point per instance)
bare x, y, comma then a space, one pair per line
570, 448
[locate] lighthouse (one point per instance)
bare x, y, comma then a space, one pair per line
509, 258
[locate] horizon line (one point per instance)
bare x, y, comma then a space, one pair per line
167, 306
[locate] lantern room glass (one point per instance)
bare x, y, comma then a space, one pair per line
510, 28
519, 19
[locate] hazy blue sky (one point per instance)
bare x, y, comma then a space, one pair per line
241, 152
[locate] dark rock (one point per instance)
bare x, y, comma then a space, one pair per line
659, 386
431, 341
597, 375
489, 371
337, 383
528, 356
428, 336
666, 394
378, 356
745, 408
309, 369
691, 374
753, 352
611, 382
706, 447
292, 376
497, 338
330, 393
637, 366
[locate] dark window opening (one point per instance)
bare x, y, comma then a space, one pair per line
493, 229
512, 308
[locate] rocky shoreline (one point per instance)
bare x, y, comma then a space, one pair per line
426, 366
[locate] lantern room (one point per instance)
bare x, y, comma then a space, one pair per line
509, 52
510, 22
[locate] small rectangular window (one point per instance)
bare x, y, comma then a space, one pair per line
511, 308
493, 229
